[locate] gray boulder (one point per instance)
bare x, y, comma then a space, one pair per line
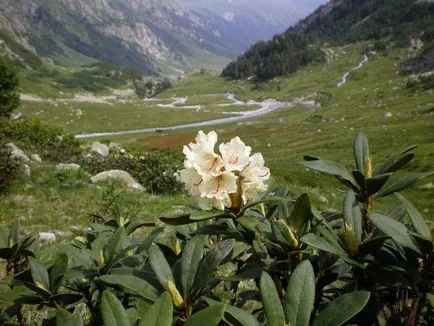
18, 153
100, 149
71, 166
120, 175
36, 158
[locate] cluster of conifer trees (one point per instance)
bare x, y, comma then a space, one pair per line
284, 54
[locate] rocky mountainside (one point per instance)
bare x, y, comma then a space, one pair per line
146, 35
142, 34
252, 20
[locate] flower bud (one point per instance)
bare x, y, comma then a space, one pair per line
101, 260
288, 233
177, 299
350, 239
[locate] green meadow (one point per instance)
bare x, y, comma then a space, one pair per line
283, 136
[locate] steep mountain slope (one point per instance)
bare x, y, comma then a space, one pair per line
346, 21
141, 34
252, 20
337, 21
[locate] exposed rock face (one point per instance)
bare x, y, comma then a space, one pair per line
123, 176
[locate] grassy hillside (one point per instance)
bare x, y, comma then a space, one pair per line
286, 135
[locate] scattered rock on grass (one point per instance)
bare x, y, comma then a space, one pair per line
49, 237
70, 166
36, 158
101, 149
123, 176
18, 153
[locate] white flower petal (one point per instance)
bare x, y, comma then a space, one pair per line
219, 187
235, 154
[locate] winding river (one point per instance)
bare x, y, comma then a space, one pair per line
345, 76
265, 107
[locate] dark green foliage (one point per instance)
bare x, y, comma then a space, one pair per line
154, 170
29, 58
9, 96
277, 261
357, 20
282, 55
9, 167
98, 77
50, 142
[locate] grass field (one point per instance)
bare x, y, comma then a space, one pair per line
283, 137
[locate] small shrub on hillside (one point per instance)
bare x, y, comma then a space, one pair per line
9, 167
49, 141
9, 97
153, 170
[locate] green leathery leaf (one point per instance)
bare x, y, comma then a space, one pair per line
39, 275
342, 309
394, 229
57, 271
417, 220
396, 184
178, 220
111, 249
271, 301
112, 311
191, 257
160, 265
160, 313
361, 151
132, 284
353, 215
300, 295
242, 316
301, 213
374, 184
331, 168
210, 316
210, 261
64, 318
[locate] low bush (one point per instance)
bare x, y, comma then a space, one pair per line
50, 142
9, 167
156, 170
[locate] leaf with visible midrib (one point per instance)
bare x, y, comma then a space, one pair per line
190, 262
361, 151
300, 295
417, 220
160, 265
271, 301
342, 309
160, 313
394, 229
210, 316
112, 311
64, 318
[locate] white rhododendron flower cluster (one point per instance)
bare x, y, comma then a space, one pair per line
230, 179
